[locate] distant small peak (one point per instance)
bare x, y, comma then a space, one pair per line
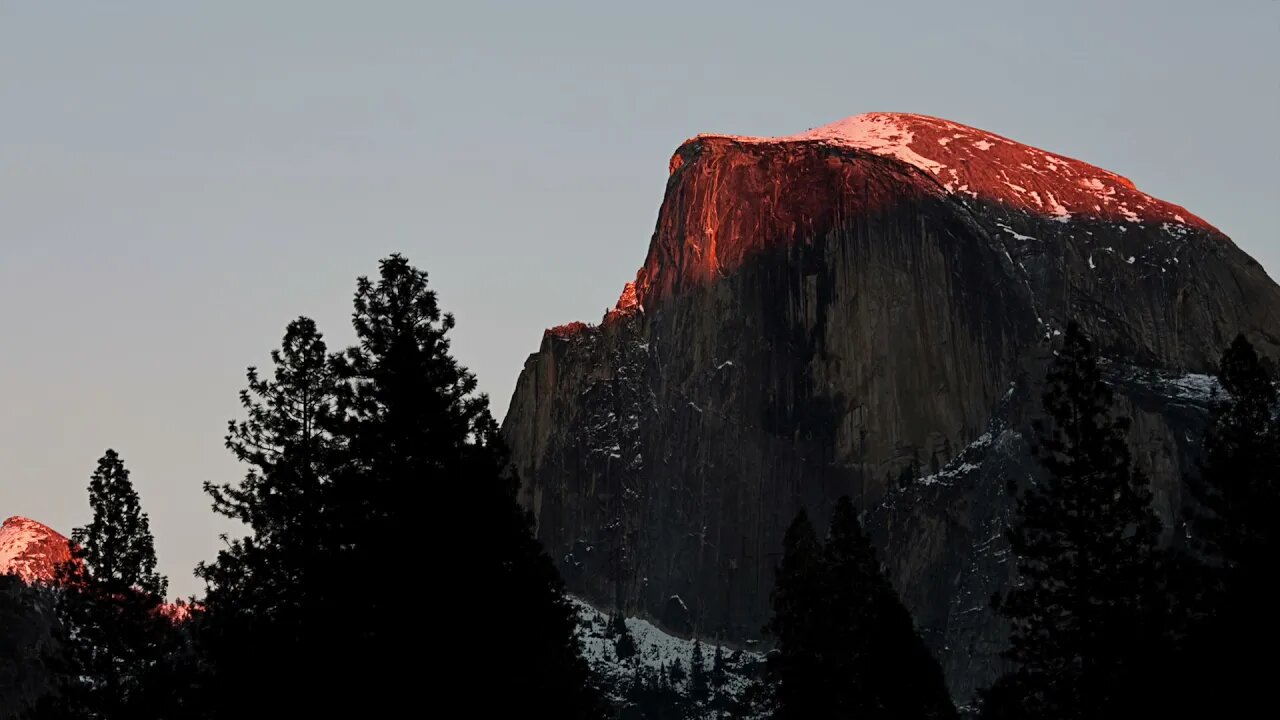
32, 550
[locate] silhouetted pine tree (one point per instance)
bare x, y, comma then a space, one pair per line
114, 638
846, 646
623, 643
793, 668
716, 679
1083, 608
652, 697
851, 589
873, 662
1235, 536
1236, 523
677, 673
698, 687
428, 477
270, 605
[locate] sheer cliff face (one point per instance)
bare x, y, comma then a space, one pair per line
864, 309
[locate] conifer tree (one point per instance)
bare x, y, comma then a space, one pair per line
428, 475
793, 669
363, 466
851, 588
1085, 537
845, 644
1235, 538
698, 687
623, 643
677, 672
875, 665
717, 668
1237, 492
269, 606
115, 638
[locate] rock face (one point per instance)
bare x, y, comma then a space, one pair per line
31, 550
864, 309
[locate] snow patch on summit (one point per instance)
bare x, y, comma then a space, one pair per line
967, 161
880, 133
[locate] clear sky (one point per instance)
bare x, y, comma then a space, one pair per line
180, 179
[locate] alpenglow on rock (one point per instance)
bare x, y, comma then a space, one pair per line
864, 309
32, 550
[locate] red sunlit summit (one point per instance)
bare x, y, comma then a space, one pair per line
968, 161
31, 550
732, 197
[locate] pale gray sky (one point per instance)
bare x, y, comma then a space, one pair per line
178, 179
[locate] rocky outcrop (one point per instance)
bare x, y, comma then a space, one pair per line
32, 550
30, 553
864, 309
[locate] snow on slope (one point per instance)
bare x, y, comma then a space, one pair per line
966, 161
655, 651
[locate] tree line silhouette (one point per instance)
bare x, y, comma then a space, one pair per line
386, 565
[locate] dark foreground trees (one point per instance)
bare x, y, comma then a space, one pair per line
386, 565
1104, 625
1086, 613
795, 682
116, 645
387, 556
1234, 524
271, 617
873, 637
1226, 664
846, 646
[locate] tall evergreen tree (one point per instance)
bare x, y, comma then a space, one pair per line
1227, 652
1085, 537
698, 685
717, 678
427, 476
114, 635
269, 606
623, 642
874, 663
1238, 491
845, 644
851, 590
793, 668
